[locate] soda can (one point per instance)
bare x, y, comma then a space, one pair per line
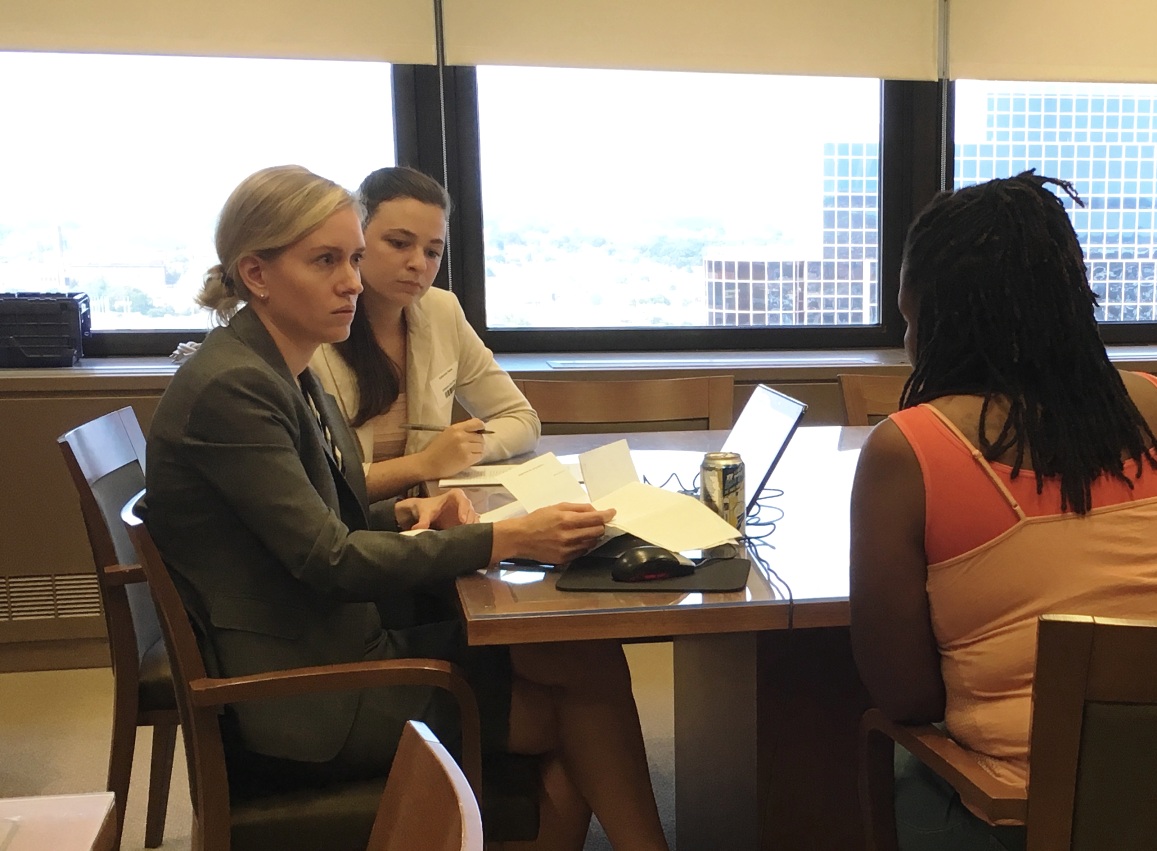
721, 486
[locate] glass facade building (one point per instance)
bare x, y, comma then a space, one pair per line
840, 286
1104, 144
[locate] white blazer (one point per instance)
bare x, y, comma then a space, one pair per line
445, 360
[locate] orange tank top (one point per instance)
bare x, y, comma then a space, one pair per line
1001, 563
961, 509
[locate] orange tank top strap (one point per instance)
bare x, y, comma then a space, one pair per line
979, 458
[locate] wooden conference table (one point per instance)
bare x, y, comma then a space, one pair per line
765, 716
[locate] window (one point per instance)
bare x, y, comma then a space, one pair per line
1103, 138
113, 168
642, 199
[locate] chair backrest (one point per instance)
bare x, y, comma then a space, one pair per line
1094, 735
200, 727
106, 459
427, 803
650, 404
870, 398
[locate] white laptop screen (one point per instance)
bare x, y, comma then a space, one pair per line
761, 434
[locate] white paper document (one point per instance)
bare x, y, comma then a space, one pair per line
490, 475
607, 468
543, 481
482, 475
671, 520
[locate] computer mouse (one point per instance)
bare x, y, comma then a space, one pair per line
640, 564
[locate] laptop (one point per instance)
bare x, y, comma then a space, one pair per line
760, 436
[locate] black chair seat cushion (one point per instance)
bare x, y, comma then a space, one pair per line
156, 679
510, 794
336, 818
271, 809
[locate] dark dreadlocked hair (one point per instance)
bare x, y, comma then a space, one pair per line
1006, 312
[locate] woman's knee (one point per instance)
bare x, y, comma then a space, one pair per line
585, 664
533, 727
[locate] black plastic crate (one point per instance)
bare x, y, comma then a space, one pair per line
43, 329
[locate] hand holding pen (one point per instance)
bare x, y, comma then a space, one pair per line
453, 449
424, 427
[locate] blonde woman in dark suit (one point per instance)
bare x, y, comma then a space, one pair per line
257, 502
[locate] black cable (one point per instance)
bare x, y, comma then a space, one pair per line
728, 550
779, 581
686, 491
757, 518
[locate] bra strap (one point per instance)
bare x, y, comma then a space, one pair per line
978, 456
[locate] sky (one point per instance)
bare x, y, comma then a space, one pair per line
168, 166
640, 151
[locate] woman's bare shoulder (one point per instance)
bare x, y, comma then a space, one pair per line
1143, 392
888, 454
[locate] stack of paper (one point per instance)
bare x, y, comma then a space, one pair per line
668, 519
490, 475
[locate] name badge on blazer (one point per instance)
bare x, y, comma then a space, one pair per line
447, 381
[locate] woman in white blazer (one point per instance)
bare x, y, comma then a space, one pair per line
411, 352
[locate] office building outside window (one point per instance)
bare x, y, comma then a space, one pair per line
837, 288
1100, 137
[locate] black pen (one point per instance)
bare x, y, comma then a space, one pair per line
422, 427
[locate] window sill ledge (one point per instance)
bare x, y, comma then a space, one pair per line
153, 373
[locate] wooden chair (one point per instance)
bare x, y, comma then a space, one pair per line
340, 816
106, 458
428, 804
1092, 749
870, 398
652, 404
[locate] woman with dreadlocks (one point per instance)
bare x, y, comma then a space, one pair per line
1018, 478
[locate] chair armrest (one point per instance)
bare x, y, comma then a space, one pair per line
352, 676
208, 692
123, 574
998, 802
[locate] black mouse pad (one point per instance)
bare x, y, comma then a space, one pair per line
592, 572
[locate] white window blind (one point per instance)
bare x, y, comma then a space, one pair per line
895, 39
400, 31
1061, 40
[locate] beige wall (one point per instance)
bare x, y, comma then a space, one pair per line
46, 566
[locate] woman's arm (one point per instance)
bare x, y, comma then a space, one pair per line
892, 636
484, 390
487, 392
452, 451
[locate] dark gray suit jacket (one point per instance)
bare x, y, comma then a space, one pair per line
278, 556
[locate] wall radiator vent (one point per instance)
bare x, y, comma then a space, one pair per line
63, 595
